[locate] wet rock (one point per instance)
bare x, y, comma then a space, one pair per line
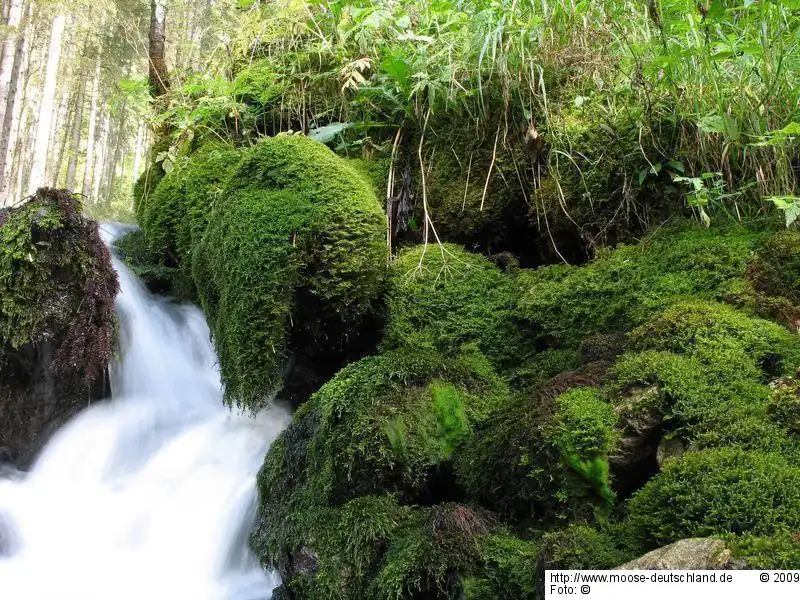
694, 553
641, 420
56, 320
305, 562
669, 448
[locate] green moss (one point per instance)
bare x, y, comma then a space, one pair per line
468, 208
784, 405
292, 260
533, 373
146, 264
445, 297
775, 270
26, 268
57, 290
148, 181
714, 492
781, 551
581, 547
543, 461
507, 569
710, 329
623, 287
387, 423
177, 213
429, 560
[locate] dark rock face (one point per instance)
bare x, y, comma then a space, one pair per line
57, 291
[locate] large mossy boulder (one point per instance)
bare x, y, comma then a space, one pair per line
715, 492
621, 288
57, 291
697, 372
444, 297
383, 432
543, 460
285, 245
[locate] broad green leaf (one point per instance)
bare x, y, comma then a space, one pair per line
328, 132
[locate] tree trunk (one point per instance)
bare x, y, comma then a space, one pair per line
75, 136
9, 54
100, 155
86, 189
137, 157
119, 143
156, 51
11, 108
37, 172
58, 140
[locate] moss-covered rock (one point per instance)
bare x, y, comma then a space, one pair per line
715, 492
380, 435
57, 290
543, 460
289, 265
507, 569
713, 332
619, 290
147, 264
774, 273
445, 297
148, 181
580, 547
178, 211
703, 367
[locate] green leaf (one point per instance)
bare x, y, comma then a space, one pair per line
790, 205
328, 132
678, 166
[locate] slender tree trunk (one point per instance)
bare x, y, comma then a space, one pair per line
137, 157
156, 50
86, 189
11, 109
75, 136
119, 142
58, 140
9, 53
40, 150
100, 156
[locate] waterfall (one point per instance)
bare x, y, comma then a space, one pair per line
150, 495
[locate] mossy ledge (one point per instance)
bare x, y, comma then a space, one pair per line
57, 291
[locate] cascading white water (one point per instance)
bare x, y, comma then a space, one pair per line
150, 496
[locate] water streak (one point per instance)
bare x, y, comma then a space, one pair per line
150, 495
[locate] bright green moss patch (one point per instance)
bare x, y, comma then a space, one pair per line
178, 211
380, 435
543, 461
623, 287
715, 492
711, 330
781, 551
445, 297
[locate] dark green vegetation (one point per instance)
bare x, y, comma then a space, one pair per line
57, 290
506, 418
567, 417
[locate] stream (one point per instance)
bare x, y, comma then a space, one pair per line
150, 495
